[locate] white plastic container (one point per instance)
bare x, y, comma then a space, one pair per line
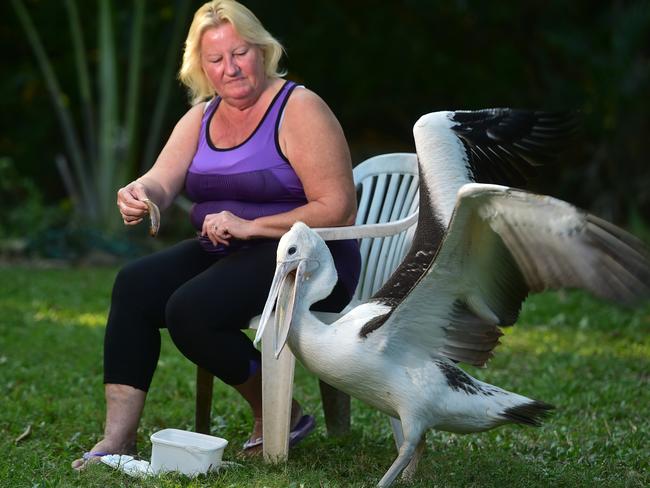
187, 452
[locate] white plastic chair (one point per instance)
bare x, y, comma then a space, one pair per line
387, 189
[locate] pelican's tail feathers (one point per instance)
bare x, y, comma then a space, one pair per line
531, 412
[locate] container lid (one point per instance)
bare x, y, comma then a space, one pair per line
185, 438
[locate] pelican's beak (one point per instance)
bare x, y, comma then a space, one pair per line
284, 289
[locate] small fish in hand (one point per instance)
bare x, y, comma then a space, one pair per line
154, 217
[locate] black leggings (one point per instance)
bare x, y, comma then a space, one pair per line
204, 301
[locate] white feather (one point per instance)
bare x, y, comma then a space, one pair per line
447, 168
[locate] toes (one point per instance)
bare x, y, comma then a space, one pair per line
89, 457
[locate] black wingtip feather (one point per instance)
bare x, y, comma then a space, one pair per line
531, 413
506, 146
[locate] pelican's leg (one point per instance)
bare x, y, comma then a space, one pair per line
407, 450
409, 471
398, 434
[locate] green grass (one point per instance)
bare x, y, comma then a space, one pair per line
589, 359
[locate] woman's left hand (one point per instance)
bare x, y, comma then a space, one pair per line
223, 226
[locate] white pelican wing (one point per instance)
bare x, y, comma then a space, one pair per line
501, 146
502, 244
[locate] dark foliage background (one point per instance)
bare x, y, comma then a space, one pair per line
380, 65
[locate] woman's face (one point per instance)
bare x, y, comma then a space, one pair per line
234, 67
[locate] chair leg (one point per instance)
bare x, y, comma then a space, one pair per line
204, 382
277, 393
336, 407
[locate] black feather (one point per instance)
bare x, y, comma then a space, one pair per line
505, 146
531, 413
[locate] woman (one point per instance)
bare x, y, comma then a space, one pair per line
259, 156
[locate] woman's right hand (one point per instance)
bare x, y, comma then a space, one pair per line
130, 201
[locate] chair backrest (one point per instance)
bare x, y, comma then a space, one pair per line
387, 190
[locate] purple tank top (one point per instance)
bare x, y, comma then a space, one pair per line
254, 179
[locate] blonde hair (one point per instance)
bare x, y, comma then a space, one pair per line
214, 14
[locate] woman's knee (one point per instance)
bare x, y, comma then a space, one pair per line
132, 310
194, 321
181, 319
131, 283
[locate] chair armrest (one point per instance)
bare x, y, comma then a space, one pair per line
367, 230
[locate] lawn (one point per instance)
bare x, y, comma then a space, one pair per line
589, 359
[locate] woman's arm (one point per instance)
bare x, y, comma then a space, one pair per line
313, 141
165, 179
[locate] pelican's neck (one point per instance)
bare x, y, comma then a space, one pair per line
316, 284
307, 334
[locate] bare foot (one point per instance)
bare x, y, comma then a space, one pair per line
105, 446
124, 406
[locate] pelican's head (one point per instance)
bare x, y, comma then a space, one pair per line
302, 256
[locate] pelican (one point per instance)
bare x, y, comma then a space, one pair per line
447, 301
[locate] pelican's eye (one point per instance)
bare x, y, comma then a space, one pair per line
292, 250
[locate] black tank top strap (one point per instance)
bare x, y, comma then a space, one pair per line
288, 88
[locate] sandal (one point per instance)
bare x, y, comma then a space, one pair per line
301, 430
88, 457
